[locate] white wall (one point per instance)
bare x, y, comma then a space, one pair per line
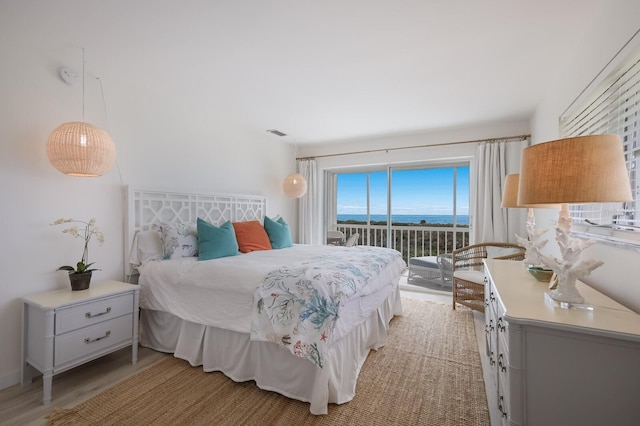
431, 152
159, 143
615, 25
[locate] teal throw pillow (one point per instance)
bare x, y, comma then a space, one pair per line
216, 241
278, 232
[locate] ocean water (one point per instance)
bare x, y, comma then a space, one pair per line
430, 219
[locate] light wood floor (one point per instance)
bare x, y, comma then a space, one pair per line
23, 405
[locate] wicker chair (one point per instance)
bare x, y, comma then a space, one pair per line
468, 270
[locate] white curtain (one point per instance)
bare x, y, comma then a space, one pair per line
309, 223
491, 222
490, 219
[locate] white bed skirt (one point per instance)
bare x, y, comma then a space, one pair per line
271, 366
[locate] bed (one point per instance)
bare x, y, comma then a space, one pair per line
298, 320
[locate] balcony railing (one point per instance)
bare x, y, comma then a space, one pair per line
411, 241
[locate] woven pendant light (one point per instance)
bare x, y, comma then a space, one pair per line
80, 149
294, 185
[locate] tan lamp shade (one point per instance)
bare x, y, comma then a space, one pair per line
80, 149
295, 186
584, 169
510, 191
510, 195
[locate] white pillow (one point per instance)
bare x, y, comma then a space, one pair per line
178, 239
147, 246
493, 252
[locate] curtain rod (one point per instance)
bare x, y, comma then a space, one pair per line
504, 139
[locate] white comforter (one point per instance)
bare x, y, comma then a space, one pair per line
220, 292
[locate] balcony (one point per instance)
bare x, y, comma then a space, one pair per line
411, 240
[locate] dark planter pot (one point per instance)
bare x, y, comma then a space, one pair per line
80, 281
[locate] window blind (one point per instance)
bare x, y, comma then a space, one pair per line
612, 107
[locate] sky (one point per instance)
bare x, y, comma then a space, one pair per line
414, 192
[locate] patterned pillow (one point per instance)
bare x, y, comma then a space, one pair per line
178, 239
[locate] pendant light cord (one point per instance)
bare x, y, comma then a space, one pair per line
83, 84
106, 116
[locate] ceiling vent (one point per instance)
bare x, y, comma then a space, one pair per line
276, 132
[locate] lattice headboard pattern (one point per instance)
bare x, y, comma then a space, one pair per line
146, 207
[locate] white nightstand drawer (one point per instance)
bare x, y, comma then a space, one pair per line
81, 343
86, 314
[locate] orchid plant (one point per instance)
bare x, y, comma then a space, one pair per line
85, 231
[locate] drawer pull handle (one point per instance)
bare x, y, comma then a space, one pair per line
501, 363
488, 328
90, 315
97, 339
501, 407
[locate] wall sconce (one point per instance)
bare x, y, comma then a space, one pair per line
294, 185
585, 169
79, 148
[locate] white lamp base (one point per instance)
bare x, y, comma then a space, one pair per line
568, 268
548, 297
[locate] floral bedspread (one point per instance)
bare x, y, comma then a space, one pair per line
297, 306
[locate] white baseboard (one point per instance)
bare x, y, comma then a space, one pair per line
9, 379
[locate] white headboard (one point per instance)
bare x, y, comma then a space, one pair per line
146, 207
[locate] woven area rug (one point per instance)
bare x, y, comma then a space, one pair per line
429, 373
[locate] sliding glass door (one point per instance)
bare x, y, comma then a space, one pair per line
361, 199
419, 210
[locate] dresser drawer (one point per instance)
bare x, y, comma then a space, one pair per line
90, 340
86, 314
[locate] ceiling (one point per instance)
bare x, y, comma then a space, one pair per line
324, 70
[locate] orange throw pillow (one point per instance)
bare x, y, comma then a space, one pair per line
251, 236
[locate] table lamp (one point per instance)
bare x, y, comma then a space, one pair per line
533, 243
576, 170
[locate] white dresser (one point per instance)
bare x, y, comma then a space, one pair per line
62, 329
557, 366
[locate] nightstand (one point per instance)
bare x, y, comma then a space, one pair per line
62, 329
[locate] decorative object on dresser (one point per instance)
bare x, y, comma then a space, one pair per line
541, 274
294, 185
585, 169
468, 270
79, 148
80, 276
559, 366
62, 329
